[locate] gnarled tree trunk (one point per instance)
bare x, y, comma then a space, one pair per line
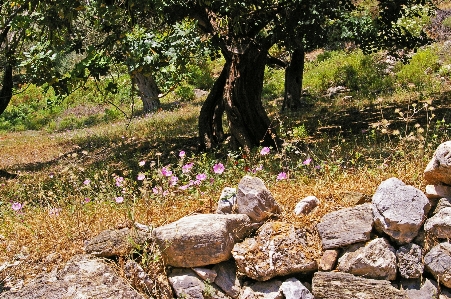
293, 81
148, 90
6, 92
248, 122
211, 132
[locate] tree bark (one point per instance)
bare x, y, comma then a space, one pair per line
148, 91
6, 92
248, 122
211, 132
293, 81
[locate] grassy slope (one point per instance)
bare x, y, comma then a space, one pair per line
354, 145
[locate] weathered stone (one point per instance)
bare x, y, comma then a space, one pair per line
255, 200
339, 285
227, 279
200, 240
445, 293
438, 191
278, 249
154, 283
227, 201
410, 261
205, 273
439, 225
262, 290
441, 204
438, 262
294, 289
438, 171
399, 210
428, 291
346, 226
328, 260
84, 276
306, 205
187, 285
376, 259
115, 242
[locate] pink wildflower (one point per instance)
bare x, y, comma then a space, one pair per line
142, 163
165, 171
119, 181
218, 168
16, 206
119, 199
307, 161
87, 182
141, 176
173, 180
201, 176
265, 151
187, 167
282, 176
182, 154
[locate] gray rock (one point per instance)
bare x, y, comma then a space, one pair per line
262, 290
187, 285
200, 240
438, 171
438, 191
227, 201
153, 283
399, 210
206, 274
306, 205
84, 276
441, 204
255, 200
119, 242
445, 293
376, 259
278, 249
339, 285
227, 279
410, 261
346, 226
438, 262
428, 291
294, 289
439, 225
328, 260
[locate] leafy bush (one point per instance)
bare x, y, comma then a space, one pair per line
419, 72
273, 84
363, 74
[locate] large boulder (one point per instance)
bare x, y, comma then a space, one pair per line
294, 289
339, 285
438, 262
376, 259
438, 171
438, 191
346, 226
84, 276
399, 210
439, 225
278, 249
201, 240
255, 200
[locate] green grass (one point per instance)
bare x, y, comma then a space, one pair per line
87, 155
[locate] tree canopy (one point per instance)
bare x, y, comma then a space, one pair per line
158, 37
